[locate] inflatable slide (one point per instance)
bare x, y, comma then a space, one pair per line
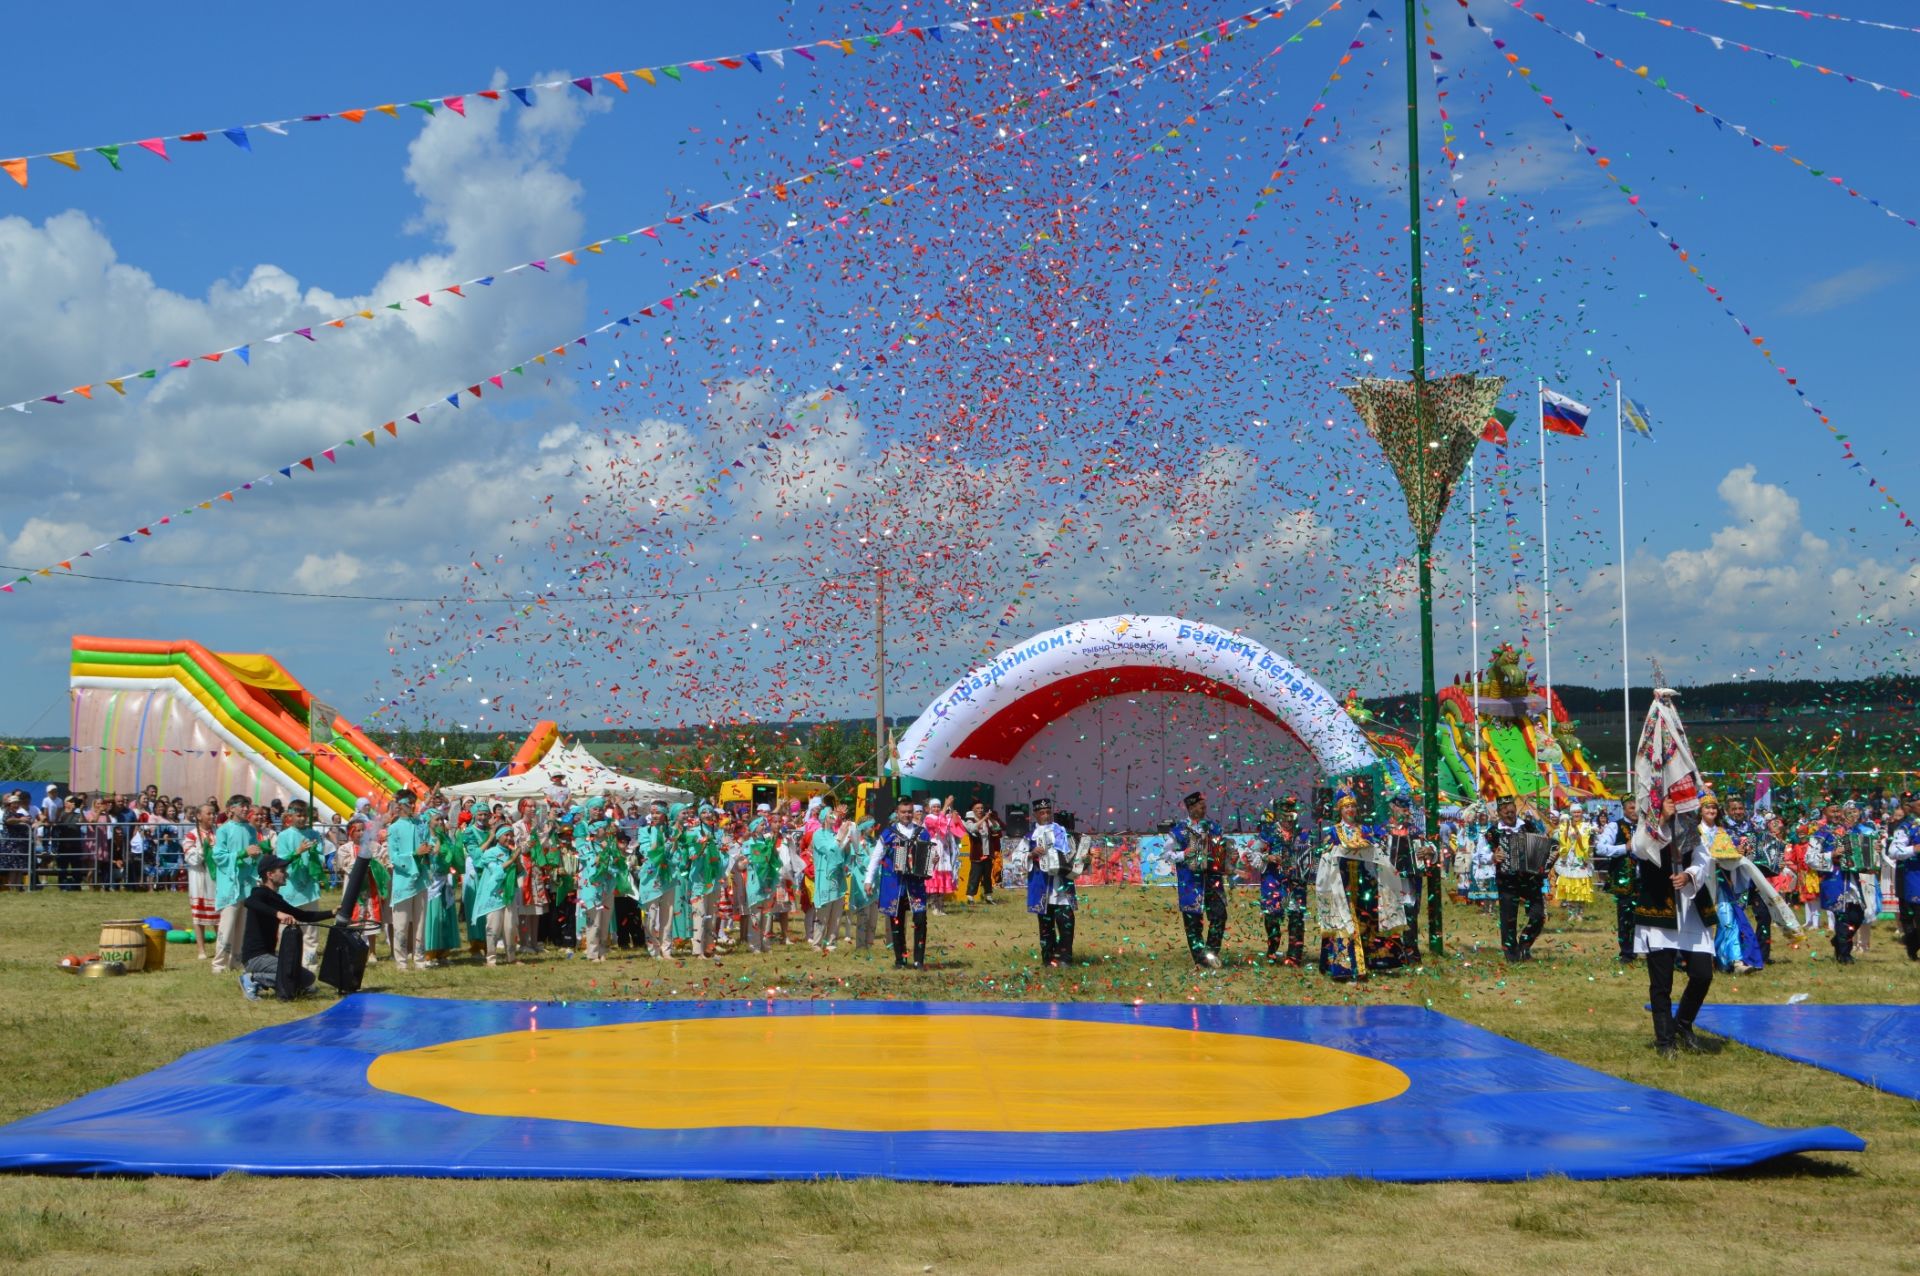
200, 723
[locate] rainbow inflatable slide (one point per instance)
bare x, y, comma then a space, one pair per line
202, 723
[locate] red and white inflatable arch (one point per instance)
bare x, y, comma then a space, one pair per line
975, 729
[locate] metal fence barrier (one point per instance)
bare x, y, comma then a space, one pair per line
96, 856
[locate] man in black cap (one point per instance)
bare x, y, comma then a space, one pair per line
1052, 867
1402, 848
266, 912
1518, 886
1200, 868
1613, 864
1286, 860
1903, 848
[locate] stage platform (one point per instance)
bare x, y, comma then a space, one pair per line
932, 1091
1877, 1046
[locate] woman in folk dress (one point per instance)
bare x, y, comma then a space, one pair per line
201, 914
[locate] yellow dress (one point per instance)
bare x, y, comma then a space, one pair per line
1573, 875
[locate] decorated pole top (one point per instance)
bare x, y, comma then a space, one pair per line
1457, 409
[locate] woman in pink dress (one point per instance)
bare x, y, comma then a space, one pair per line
945, 828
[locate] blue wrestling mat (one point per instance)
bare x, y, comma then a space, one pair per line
948, 1092
1874, 1045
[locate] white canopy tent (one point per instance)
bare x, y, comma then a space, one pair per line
584, 774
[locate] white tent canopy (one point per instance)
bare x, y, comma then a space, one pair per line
584, 774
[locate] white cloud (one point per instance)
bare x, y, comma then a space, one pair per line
1843, 288
492, 190
327, 572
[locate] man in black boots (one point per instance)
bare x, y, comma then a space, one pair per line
1200, 851
1052, 867
1287, 861
905, 862
1518, 883
1671, 929
1613, 865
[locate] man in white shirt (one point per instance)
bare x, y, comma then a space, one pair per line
1670, 929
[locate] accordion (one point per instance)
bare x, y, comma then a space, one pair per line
1528, 852
913, 856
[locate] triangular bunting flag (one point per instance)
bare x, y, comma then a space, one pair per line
157, 146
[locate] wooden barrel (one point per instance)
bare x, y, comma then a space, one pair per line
124, 942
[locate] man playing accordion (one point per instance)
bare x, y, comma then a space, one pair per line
1521, 877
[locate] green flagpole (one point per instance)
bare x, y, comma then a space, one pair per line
1429, 717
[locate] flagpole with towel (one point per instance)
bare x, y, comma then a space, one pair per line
1625, 412
1546, 582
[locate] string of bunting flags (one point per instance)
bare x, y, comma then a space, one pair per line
1722, 43
1758, 342
1758, 142
1810, 13
241, 135
1042, 559
663, 309
847, 167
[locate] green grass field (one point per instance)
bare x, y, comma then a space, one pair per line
61, 1037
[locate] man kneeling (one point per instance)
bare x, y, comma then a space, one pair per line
266, 913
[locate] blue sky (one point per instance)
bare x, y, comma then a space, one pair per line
1753, 548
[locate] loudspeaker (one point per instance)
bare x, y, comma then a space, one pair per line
350, 892
1065, 819
1017, 823
882, 799
766, 795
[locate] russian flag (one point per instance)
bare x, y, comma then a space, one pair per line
1562, 415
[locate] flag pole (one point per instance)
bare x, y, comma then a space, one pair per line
1626, 681
1546, 582
1473, 611
1423, 539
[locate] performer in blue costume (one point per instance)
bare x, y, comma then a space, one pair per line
902, 860
1200, 870
1903, 848
1283, 853
1052, 867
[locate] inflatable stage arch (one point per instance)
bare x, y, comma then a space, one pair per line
1146, 669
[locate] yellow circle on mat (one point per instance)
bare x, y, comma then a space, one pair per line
887, 1073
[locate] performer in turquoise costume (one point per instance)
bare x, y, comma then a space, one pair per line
300, 846
653, 854
491, 864
445, 860
235, 860
829, 876
407, 854
761, 877
597, 859
861, 906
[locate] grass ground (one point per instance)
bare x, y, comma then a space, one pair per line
61, 1037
